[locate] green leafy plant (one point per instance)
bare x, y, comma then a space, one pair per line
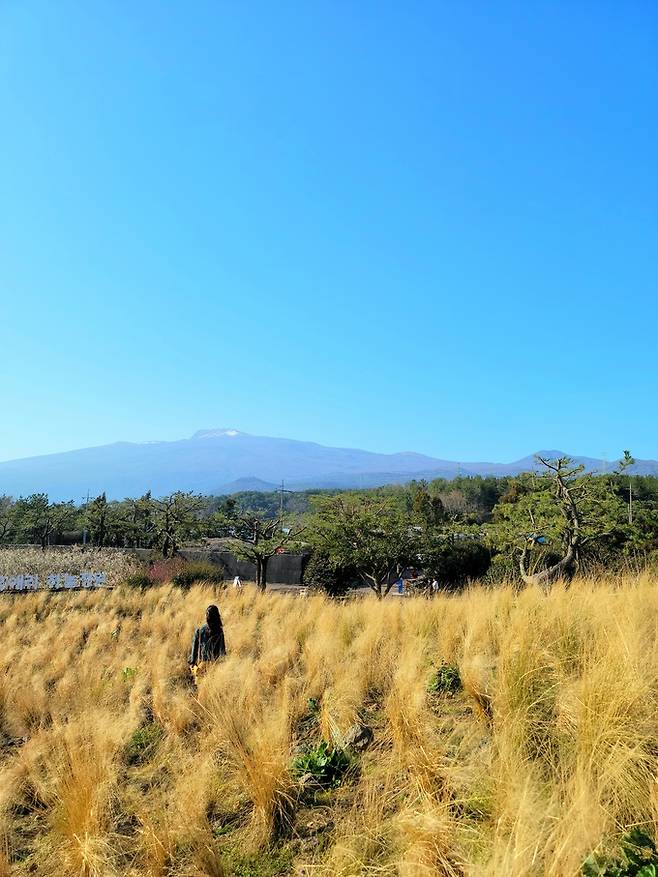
446, 680
639, 859
326, 764
143, 743
128, 674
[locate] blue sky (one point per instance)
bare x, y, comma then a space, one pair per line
399, 226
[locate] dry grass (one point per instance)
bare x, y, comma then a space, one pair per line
111, 764
33, 561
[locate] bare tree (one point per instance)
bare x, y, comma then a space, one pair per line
176, 519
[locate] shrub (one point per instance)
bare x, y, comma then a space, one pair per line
143, 743
197, 572
178, 571
325, 764
139, 580
164, 570
446, 680
639, 859
320, 575
504, 568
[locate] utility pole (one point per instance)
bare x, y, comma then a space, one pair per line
282, 491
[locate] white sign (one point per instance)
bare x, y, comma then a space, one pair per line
52, 582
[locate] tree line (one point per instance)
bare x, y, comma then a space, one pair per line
535, 527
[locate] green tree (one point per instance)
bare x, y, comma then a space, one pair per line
62, 519
371, 536
258, 539
454, 558
98, 514
625, 463
554, 518
7, 519
428, 510
34, 518
228, 507
321, 574
135, 521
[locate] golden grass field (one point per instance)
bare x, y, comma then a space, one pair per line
549, 752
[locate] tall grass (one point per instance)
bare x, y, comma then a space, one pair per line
111, 763
33, 561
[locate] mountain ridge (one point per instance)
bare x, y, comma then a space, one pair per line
225, 460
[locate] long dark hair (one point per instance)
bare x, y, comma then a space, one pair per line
213, 619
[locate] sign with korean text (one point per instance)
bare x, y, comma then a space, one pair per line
56, 581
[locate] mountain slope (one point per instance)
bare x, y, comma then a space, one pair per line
225, 460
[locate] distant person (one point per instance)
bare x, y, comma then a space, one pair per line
237, 583
400, 584
208, 643
435, 586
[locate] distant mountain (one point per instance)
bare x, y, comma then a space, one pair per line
219, 461
242, 485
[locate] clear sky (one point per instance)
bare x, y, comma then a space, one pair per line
425, 226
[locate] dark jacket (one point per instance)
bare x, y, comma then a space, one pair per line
206, 645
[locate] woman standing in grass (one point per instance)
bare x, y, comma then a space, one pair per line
208, 643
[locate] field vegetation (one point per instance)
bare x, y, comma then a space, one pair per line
116, 565
504, 733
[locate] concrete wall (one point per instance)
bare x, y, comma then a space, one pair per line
283, 569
